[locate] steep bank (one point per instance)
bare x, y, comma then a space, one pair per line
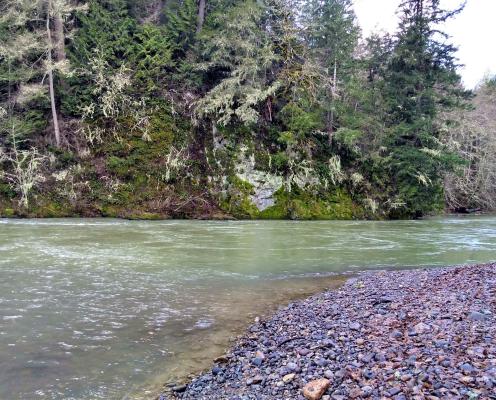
153, 180
247, 109
395, 335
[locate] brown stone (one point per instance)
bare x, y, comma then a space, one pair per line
314, 390
355, 393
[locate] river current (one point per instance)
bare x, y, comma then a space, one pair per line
112, 309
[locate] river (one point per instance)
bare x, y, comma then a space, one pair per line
112, 309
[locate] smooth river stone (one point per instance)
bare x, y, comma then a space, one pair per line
314, 390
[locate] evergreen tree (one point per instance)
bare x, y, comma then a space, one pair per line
420, 80
240, 55
107, 29
332, 34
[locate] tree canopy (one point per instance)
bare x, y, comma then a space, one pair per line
216, 100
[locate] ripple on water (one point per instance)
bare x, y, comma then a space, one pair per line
11, 317
97, 288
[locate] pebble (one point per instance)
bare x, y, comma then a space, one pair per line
477, 316
394, 391
328, 374
303, 352
417, 334
179, 388
314, 390
292, 366
467, 368
257, 361
355, 326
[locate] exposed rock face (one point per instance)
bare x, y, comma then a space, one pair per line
315, 389
264, 184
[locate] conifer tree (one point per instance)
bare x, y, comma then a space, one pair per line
332, 35
420, 80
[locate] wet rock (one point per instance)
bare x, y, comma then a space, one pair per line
221, 360
432, 338
314, 390
179, 388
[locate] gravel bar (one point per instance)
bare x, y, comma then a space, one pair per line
412, 334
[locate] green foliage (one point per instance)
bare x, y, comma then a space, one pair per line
301, 121
348, 137
308, 206
155, 113
332, 31
420, 80
106, 31
152, 58
241, 54
106, 26
180, 25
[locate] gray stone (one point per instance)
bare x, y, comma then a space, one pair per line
355, 326
477, 316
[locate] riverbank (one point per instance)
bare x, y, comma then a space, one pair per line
416, 334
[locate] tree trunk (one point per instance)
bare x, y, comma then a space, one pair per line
333, 94
59, 37
56, 128
201, 15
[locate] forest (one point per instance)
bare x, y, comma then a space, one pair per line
271, 109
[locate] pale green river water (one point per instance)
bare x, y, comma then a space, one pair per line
110, 309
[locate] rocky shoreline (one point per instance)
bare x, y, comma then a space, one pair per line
414, 334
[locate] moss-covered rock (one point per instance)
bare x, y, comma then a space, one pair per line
309, 206
7, 213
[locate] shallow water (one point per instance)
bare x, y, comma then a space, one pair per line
110, 309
